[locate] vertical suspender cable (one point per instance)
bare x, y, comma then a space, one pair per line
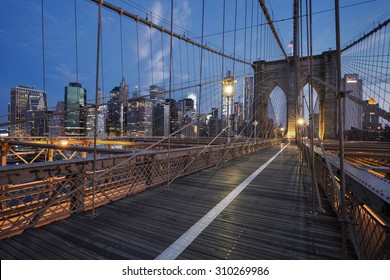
311, 118
162, 60
258, 33
200, 75
122, 96
76, 41
138, 65
234, 38
151, 49
251, 59
43, 48
316, 190
188, 66
120, 26
96, 107
341, 133
223, 51
43, 58
170, 91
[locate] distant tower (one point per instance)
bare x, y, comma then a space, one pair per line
157, 94
75, 98
117, 110
36, 106
139, 115
192, 96
352, 112
18, 107
102, 114
171, 118
56, 123
370, 118
247, 103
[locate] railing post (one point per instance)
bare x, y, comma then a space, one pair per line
5, 147
77, 198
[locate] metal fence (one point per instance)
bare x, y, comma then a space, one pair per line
41, 201
368, 231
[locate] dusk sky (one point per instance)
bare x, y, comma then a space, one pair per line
21, 44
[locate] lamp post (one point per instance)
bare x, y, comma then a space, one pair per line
228, 91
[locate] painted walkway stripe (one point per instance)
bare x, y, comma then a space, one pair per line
176, 248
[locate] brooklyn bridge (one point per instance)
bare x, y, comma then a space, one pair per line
164, 142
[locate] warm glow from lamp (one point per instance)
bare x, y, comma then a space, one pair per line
372, 101
228, 90
228, 85
64, 142
301, 121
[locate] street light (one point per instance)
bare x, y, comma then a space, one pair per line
301, 121
228, 91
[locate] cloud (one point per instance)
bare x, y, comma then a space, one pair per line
181, 13
64, 72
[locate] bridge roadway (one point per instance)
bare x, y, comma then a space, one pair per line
269, 219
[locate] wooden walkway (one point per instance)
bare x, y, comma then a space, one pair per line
270, 219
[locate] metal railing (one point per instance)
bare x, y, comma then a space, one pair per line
32, 203
368, 230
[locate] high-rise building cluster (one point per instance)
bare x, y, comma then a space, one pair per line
124, 114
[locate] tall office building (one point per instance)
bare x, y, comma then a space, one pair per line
238, 124
36, 107
18, 107
158, 120
75, 98
352, 112
57, 123
186, 115
214, 123
139, 116
370, 118
192, 96
102, 114
101, 118
117, 110
247, 102
171, 117
157, 95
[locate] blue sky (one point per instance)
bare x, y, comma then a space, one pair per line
21, 45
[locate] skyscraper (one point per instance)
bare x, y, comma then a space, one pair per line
117, 110
101, 117
139, 115
75, 98
158, 120
248, 104
57, 123
102, 114
36, 107
352, 112
171, 118
370, 118
18, 107
157, 95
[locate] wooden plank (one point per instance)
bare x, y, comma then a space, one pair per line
270, 219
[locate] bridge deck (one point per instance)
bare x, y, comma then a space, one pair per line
269, 219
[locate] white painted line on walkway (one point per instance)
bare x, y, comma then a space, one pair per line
176, 248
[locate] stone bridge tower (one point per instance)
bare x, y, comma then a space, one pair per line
280, 73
